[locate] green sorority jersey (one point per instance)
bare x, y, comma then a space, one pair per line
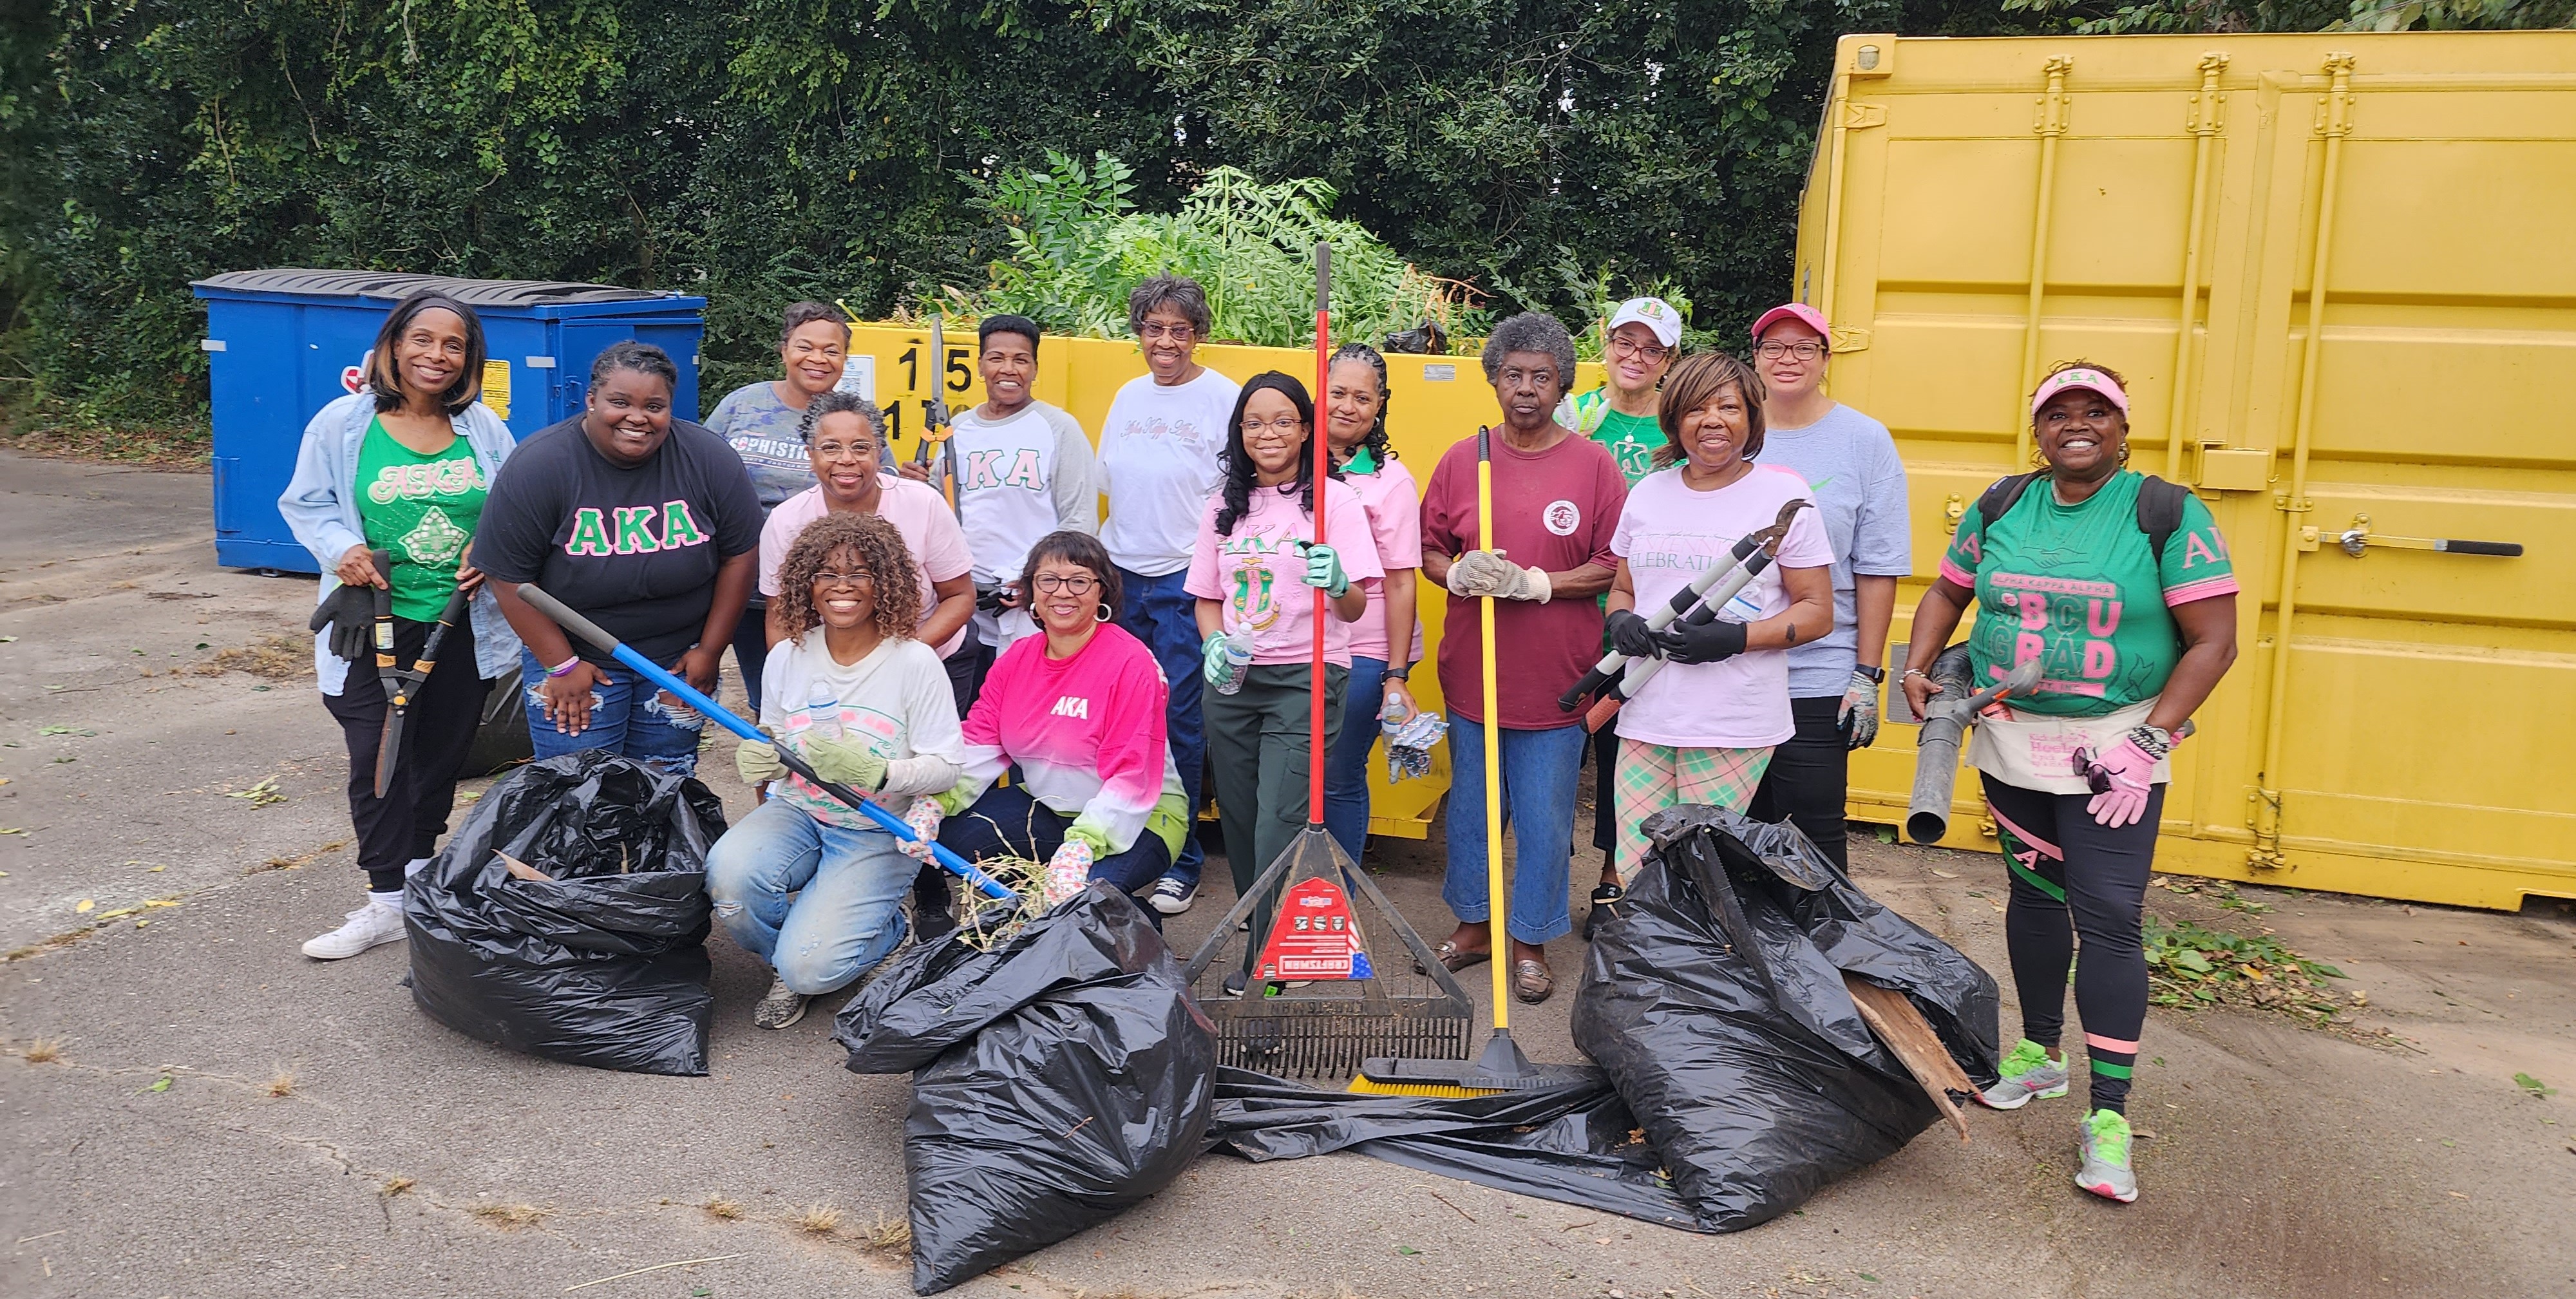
421, 508
2076, 587
1630, 439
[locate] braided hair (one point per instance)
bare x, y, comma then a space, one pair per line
1379, 447
1240, 473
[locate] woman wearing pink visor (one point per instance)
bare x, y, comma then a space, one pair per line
2119, 585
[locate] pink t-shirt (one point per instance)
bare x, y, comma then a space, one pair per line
916, 510
1259, 571
1087, 734
1394, 507
1668, 535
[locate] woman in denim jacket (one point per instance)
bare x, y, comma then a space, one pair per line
402, 466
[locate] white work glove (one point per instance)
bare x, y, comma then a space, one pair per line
924, 818
1490, 572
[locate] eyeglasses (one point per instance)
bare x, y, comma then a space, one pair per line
860, 578
1157, 329
1650, 353
1078, 584
861, 450
1804, 350
1283, 429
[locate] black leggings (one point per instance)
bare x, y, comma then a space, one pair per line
2065, 865
438, 731
1809, 776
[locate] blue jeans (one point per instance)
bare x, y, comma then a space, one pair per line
1541, 770
1006, 822
1346, 764
849, 884
1158, 612
627, 718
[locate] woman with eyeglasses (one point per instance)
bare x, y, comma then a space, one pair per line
2120, 586
1852, 472
765, 423
1078, 712
1159, 447
806, 882
1251, 571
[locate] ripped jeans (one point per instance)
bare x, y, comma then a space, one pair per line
849, 885
628, 717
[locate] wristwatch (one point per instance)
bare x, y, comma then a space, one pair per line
2156, 741
1403, 674
1877, 676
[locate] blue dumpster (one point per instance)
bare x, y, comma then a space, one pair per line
282, 344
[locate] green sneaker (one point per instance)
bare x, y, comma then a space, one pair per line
2028, 1074
2103, 1137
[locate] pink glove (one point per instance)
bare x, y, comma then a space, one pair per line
2121, 780
1067, 872
924, 819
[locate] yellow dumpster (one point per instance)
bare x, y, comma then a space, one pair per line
2339, 272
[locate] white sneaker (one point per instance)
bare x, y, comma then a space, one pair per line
1172, 897
372, 925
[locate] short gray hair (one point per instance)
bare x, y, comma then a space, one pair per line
1169, 292
1531, 331
838, 402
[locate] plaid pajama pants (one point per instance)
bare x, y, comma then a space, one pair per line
1653, 777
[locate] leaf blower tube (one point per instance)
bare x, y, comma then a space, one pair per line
688, 694
1936, 749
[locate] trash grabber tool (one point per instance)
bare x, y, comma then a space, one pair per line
723, 716
401, 685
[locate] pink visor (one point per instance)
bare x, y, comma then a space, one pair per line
2079, 378
1797, 311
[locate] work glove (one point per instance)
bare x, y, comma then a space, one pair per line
847, 762
1066, 872
1702, 642
350, 613
1858, 715
1324, 569
2121, 780
1215, 669
757, 760
1490, 572
924, 818
1630, 636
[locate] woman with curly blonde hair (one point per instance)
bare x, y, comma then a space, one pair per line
868, 706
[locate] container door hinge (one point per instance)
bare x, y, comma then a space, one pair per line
1859, 116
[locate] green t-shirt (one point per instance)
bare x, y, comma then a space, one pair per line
2075, 587
1630, 439
421, 508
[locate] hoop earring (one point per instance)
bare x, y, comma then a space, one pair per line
1100, 612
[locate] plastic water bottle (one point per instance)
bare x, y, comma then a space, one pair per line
1238, 660
823, 714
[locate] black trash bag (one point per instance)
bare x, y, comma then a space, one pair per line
603, 965
1060, 1078
1716, 1004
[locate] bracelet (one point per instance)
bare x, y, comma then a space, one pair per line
1916, 672
563, 668
2155, 741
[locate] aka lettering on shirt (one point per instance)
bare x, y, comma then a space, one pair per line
1074, 706
633, 533
985, 469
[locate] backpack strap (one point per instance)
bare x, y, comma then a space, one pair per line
2159, 513
1998, 500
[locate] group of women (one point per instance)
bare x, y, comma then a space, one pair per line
1071, 719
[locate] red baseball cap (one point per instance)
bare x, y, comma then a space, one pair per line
1798, 311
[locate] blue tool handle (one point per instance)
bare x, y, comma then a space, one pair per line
590, 631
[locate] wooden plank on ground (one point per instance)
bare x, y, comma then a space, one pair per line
1909, 1037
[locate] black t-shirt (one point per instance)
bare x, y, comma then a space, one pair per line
636, 550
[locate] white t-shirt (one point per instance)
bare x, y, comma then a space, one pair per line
1019, 478
1670, 534
897, 699
1158, 466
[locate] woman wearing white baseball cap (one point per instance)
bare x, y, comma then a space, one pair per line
1852, 470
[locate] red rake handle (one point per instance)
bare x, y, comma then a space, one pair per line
1321, 452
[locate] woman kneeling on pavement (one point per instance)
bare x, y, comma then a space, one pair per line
1076, 715
1702, 729
865, 705
2120, 586
402, 466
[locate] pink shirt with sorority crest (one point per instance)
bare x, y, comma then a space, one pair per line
1258, 571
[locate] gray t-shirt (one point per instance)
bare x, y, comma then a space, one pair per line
770, 439
1851, 468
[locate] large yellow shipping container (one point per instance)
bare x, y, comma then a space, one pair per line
2339, 271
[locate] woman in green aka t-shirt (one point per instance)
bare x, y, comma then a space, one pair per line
2132, 638
401, 466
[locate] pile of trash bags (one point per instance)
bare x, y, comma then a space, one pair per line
594, 952
1058, 1079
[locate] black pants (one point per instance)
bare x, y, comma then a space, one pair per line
438, 729
1809, 776
1006, 822
751, 650
2077, 880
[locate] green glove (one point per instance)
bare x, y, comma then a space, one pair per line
758, 762
1324, 569
847, 762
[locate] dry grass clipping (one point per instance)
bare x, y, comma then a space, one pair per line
277, 657
44, 1050
396, 1185
282, 1083
511, 1217
817, 1219
718, 1206
891, 1238
992, 922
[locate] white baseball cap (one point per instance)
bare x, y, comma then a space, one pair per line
1655, 314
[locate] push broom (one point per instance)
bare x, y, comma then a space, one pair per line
1311, 1001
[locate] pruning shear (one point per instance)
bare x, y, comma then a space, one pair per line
402, 684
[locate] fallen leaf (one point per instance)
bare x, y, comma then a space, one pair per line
1947, 875
156, 870
86, 906
1406, 1249
2457, 1196
161, 1086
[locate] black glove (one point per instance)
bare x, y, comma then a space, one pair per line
1630, 636
350, 613
1702, 642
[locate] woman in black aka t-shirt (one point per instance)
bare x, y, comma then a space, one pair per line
645, 524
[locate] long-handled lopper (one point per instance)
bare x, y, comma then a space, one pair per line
937, 430
694, 698
403, 684
1752, 554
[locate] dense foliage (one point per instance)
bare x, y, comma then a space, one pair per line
1548, 153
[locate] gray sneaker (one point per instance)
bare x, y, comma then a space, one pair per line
2028, 1074
2103, 1137
780, 1008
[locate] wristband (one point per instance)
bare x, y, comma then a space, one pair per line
1916, 672
1874, 674
1404, 674
563, 668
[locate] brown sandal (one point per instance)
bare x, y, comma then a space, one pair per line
1456, 958
1531, 981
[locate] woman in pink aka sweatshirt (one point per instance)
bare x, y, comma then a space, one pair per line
1080, 713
